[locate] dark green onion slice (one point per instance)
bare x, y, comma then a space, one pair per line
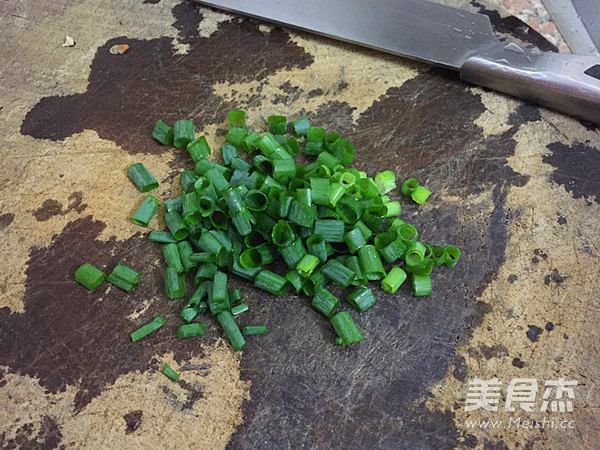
191, 330
362, 299
163, 237
231, 329
169, 372
325, 302
277, 124
409, 186
421, 284
142, 177
452, 255
145, 212
301, 126
123, 277
393, 280
198, 149
420, 194
89, 276
184, 132
238, 309
248, 330
346, 328
150, 327
163, 133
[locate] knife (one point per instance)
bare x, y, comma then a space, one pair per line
447, 37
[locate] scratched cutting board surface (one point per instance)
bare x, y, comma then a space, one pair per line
515, 187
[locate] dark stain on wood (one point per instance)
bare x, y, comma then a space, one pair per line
48, 437
533, 332
572, 169
133, 420
50, 207
127, 95
5, 220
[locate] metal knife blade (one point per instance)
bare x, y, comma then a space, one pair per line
444, 36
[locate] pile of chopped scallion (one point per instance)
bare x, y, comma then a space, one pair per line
325, 222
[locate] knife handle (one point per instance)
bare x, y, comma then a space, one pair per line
567, 83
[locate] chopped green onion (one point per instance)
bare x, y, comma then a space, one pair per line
393, 280
270, 282
362, 299
254, 329
172, 257
231, 329
385, 181
325, 301
338, 273
421, 284
295, 280
307, 264
163, 133
371, 262
176, 225
191, 330
331, 230
142, 177
198, 149
184, 132
166, 369
174, 283
238, 309
409, 186
89, 276
277, 124
452, 255
354, 239
415, 254
163, 237
293, 253
123, 277
188, 314
301, 126
420, 194
145, 212
145, 330
316, 246
346, 328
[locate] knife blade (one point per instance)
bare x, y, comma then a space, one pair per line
444, 36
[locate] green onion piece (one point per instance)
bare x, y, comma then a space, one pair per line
301, 126
204, 165
176, 225
364, 230
371, 262
251, 258
254, 239
166, 369
219, 293
198, 149
320, 189
236, 135
439, 255
315, 281
292, 147
233, 199
409, 186
191, 213
228, 154
346, 328
407, 233
217, 179
348, 209
385, 181
163, 237
393, 208
236, 268
241, 165
295, 280
231, 329
331, 139
420, 194
353, 264
307, 264
145, 330
123, 277
249, 142
283, 169
242, 224
145, 212
174, 283
187, 180
205, 271
302, 215
331, 230
368, 188
343, 150
208, 242
191, 330
415, 254
256, 200
142, 177
315, 134
293, 252
327, 159
425, 268
452, 255
237, 118
89, 276
172, 257
163, 133
338, 273
198, 295
316, 246
235, 296
248, 330
338, 341
325, 301
277, 124
313, 148
393, 280
336, 193
354, 239
184, 132
188, 314
390, 246
421, 284
362, 299
271, 282
174, 204
242, 307
185, 253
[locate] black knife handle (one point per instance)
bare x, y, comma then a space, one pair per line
567, 83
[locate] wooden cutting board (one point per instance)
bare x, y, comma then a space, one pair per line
515, 186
